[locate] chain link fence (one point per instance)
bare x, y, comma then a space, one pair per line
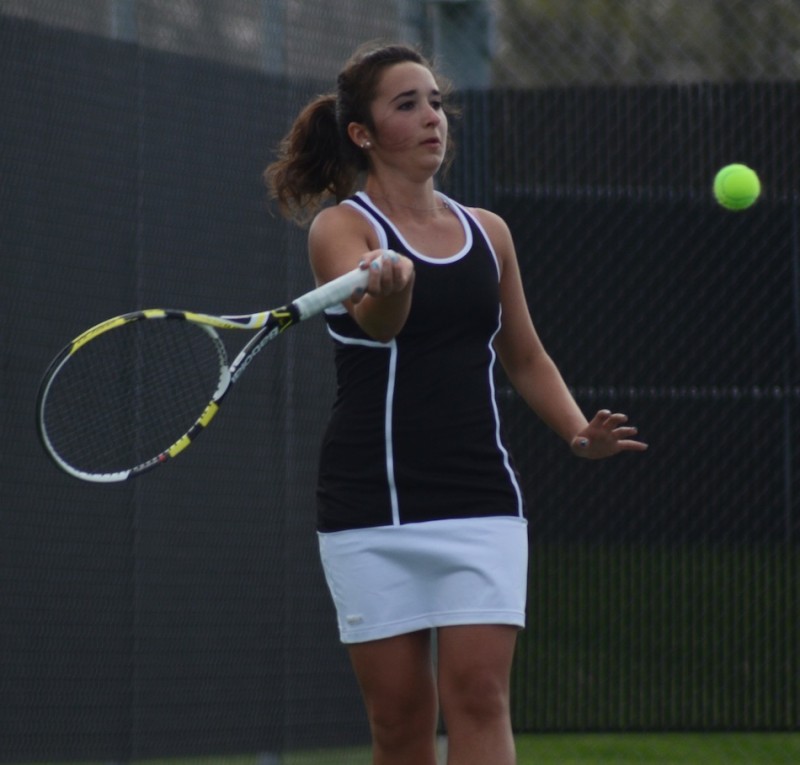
523, 43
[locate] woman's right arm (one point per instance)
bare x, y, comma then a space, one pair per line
341, 239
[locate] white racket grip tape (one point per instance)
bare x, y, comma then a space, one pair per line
331, 293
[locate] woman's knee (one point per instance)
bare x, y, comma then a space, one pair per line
395, 721
397, 683
479, 695
474, 671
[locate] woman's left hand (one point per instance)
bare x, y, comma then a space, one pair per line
605, 436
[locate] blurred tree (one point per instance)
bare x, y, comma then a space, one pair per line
556, 42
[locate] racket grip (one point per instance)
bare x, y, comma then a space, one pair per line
331, 293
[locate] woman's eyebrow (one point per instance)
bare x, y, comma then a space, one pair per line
411, 93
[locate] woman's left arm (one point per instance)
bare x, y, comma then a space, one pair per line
534, 374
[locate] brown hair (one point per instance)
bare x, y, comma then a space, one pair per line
317, 160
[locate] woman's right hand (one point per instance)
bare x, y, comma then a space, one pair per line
389, 273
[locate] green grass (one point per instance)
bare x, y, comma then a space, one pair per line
586, 749
659, 749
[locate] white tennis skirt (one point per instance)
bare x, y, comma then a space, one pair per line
391, 580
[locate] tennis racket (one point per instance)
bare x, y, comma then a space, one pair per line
134, 391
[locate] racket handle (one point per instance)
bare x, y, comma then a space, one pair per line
331, 293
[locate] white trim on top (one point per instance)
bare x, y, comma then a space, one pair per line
388, 437
375, 213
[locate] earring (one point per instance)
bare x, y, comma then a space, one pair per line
366, 145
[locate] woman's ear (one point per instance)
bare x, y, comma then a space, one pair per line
359, 135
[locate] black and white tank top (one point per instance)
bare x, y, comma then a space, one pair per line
415, 432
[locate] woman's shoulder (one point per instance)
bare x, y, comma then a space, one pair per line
486, 217
340, 228
336, 217
493, 224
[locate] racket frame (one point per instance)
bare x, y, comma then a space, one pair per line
269, 324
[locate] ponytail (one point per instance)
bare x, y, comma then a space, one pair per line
315, 162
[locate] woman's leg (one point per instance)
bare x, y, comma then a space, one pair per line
397, 682
474, 688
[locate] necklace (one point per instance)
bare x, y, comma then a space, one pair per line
443, 206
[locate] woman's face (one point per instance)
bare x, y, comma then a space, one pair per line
410, 125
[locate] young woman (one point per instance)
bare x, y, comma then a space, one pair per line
421, 518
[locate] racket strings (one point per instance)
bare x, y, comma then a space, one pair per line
132, 392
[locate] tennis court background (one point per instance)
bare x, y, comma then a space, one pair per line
186, 614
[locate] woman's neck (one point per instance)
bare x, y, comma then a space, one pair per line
420, 200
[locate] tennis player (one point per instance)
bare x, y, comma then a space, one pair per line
421, 519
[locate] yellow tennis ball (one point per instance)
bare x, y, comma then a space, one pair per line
736, 187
